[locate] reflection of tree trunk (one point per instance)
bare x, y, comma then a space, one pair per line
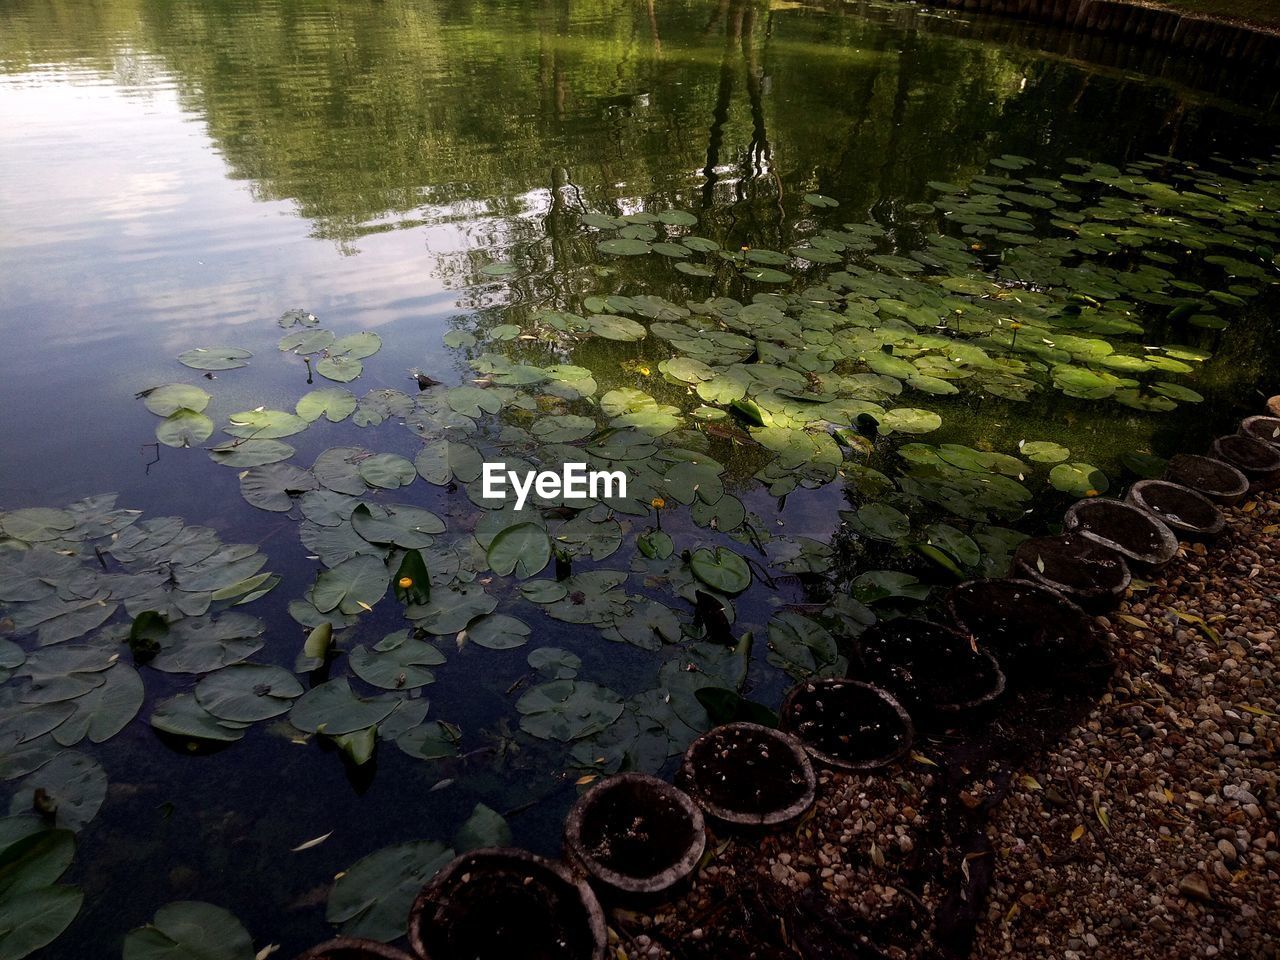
717, 15
758, 149
892, 161
560, 231
653, 29
720, 115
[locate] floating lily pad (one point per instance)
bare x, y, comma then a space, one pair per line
264, 424
623, 246
333, 403
250, 453
340, 369
497, 631
352, 586
184, 428
523, 549
273, 486
75, 784
168, 399
567, 710
1044, 451
333, 709
372, 897
721, 569
387, 470
452, 609
1078, 479
215, 358
190, 930
397, 662
247, 692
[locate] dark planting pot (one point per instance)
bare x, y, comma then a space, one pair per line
634, 834
1075, 566
928, 667
498, 903
1185, 512
1258, 461
350, 948
1031, 628
1219, 481
749, 775
847, 724
1266, 429
1134, 534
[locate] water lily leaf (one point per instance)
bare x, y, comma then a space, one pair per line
250, 453
802, 647
202, 645
500, 269
957, 545
623, 246
882, 522
105, 710
168, 399
452, 609
76, 785
655, 544
340, 369
184, 428
475, 401
306, 343
338, 469
358, 346
352, 586
694, 269
372, 897
876, 585
567, 710
555, 663
333, 403
429, 741
497, 631
398, 524
247, 692
649, 625
562, 429
612, 327
36, 524
35, 918
264, 424
316, 648
387, 470
1043, 451
523, 549
820, 200
766, 275
1078, 479
721, 569
544, 591
397, 662
412, 581
214, 358
190, 930
484, 828
333, 709
910, 420
273, 486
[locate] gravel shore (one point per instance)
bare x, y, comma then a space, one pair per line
1148, 830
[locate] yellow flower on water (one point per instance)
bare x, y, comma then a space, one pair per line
1092, 493
657, 503
1015, 325
406, 583
644, 371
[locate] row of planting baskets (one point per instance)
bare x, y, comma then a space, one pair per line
633, 838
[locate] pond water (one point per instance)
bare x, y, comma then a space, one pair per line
854, 296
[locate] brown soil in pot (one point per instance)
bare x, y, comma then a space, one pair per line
1183, 510
1266, 429
1217, 480
846, 723
501, 903
1071, 563
1134, 533
927, 666
1030, 627
744, 773
635, 833
1252, 457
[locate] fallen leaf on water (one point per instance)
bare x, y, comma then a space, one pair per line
586, 778
311, 843
266, 951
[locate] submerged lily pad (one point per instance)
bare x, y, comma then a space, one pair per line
567, 710
372, 897
75, 784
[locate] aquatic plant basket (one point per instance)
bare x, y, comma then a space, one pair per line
928, 667
1027, 624
1187, 513
634, 834
497, 903
1079, 568
352, 948
847, 724
749, 775
1136, 535
1256, 459
1216, 479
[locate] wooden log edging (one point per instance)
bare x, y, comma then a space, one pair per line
1239, 42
